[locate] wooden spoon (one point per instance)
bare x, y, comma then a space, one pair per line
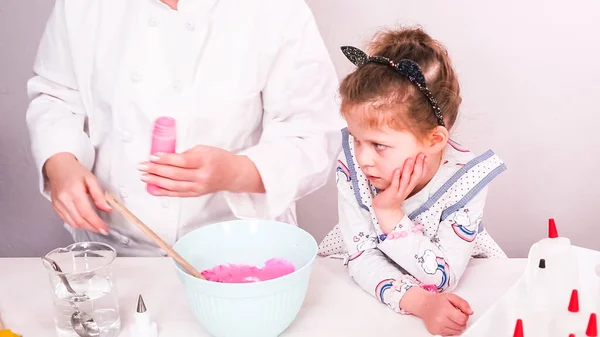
153, 236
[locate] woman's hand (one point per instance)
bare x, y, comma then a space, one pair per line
71, 186
199, 171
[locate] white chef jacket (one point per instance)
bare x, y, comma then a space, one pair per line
252, 77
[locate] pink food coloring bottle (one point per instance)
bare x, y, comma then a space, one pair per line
164, 138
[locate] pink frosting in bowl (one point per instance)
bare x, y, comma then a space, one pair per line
243, 273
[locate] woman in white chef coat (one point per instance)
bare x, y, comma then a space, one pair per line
250, 84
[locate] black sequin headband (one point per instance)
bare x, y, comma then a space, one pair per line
407, 68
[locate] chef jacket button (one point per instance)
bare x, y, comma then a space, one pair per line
163, 253
123, 191
126, 136
178, 87
136, 77
153, 22
190, 26
125, 240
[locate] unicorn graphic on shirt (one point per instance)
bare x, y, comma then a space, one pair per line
364, 242
342, 172
369, 241
381, 289
432, 264
463, 227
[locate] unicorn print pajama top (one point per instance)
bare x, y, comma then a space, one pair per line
432, 245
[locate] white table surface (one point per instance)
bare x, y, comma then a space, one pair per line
334, 306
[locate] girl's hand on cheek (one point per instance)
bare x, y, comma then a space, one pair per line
388, 203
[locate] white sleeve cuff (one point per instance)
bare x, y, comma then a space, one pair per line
277, 198
80, 147
248, 205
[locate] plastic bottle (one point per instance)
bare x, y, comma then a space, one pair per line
164, 138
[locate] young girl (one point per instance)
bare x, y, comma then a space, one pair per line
410, 199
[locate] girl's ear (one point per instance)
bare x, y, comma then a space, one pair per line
438, 139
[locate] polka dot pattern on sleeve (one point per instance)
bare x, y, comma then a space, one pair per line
332, 244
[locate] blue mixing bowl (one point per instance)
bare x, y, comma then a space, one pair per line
258, 309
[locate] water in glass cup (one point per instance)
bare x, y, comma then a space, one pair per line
87, 267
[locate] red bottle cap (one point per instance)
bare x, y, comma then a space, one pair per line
574, 302
552, 232
518, 328
592, 328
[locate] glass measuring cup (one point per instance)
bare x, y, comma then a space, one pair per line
87, 268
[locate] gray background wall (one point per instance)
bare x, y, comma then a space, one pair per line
530, 78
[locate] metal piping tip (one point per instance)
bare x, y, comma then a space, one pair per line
141, 306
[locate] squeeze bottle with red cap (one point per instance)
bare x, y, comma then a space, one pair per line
163, 140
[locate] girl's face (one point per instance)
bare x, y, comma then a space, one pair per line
379, 152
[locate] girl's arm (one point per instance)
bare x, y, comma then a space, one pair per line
367, 265
442, 260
